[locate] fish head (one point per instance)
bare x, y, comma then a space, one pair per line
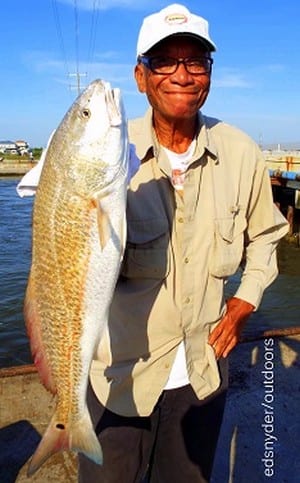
93, 138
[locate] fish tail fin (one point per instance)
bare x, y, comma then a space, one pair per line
78, 436
84, 439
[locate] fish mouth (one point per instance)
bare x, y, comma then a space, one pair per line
112, 99
115, 113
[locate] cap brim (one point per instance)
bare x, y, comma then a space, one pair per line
209, 45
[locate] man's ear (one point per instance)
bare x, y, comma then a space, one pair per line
139, 74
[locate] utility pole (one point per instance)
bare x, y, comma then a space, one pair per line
78, 85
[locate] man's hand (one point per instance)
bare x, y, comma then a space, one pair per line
226, 335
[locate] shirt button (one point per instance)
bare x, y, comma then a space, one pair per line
186, 260
180, 220
187, 300
167, 366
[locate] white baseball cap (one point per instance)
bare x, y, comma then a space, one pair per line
172, 20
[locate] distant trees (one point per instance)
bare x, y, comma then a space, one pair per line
36, 152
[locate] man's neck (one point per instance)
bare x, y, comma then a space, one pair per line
175, 136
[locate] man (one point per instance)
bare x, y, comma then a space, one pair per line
200, 202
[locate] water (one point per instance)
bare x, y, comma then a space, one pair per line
280, 307
15, 250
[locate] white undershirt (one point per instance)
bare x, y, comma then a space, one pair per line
178, 376
179, 163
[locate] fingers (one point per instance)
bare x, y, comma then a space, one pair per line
223, 346
225, 336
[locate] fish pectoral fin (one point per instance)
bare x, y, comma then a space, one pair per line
104, 226
78, 436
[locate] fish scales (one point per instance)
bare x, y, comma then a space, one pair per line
78, 240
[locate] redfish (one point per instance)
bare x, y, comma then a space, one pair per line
78, 238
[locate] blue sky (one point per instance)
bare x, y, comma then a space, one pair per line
256, 76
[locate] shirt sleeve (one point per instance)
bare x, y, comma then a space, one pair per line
266, 226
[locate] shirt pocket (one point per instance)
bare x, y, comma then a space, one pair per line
228, 245
146, 254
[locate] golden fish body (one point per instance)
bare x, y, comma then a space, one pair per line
77, 245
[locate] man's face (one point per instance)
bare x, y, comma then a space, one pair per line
179, 95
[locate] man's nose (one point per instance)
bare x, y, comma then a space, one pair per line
182, 75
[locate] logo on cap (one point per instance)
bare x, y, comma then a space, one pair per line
176, 18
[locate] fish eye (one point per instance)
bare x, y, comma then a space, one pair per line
86, 113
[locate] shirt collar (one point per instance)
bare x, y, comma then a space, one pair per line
145, 136
205, 140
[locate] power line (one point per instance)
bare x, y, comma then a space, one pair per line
93, 33
77, 74
92, 40
76, 35
59, 34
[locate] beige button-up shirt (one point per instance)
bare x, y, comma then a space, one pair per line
179, 253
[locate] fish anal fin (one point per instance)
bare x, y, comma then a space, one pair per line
34, 331
78, 436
